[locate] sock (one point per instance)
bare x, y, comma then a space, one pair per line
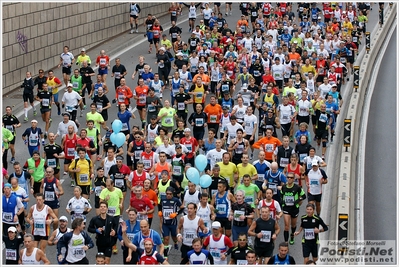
286, 233
34, 108
26, 112
131, 26
58, 106
293, 229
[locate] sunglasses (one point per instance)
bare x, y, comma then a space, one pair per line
290, 177
100, 254
242, 240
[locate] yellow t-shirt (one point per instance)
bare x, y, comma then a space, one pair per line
82, 177
227, 171
249, 169
80, 59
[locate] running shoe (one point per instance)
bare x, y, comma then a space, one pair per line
35, 112
25, 119
12, 160
72, 183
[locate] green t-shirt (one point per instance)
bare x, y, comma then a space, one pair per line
298, 39
77, 83
169, 119
113, 201
251, 193
97, 118
7, 134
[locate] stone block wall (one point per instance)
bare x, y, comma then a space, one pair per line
34, 34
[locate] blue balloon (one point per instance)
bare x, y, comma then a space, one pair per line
119, 139
193, 175
205, 181
113, 138
116, 126
201, 162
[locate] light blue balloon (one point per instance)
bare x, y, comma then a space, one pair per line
120, 139
116, 126
113, 138
201, 162
205, 181
193, 175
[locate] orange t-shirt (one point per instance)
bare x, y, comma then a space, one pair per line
159, 168
269, 145
205, 77
151, 196
213, 112
141, 92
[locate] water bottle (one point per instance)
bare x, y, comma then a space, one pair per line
63, 250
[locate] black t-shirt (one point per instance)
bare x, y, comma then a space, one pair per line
40, 81
180, 98
13, 247
149, 23
179, 63
118, 69
50, 150
103, 100
9, 121
46, 99
140, 69
83, 71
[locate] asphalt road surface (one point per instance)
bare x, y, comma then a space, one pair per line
130, 59
380, 165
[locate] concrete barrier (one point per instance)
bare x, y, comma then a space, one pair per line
349, 202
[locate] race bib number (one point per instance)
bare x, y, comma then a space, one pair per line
261, 177
142, 99
124, 127
168, 121
199, 122
284, 162
242, 262
309, 234
181, 106
289, 200
137, 154
189, 235
51, 163
78, 252
221, 208
176, 170
11, 254
10, 128
111, 211
70, 152
49, 196
117, 75
266, 236
269, 148
237, 215
98, 190
167, 213
121, 98
215, 252
45, 102
33, 142
119, 182
7, 216
213, 118
273, 187
84, 178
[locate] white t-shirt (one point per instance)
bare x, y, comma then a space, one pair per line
71, 100
249, 123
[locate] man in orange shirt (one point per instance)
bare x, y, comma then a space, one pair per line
148, 192
243, 24
214, 112
123, 94
140, 94
205, 78
268, 144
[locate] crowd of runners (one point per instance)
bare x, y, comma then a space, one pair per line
260, 91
